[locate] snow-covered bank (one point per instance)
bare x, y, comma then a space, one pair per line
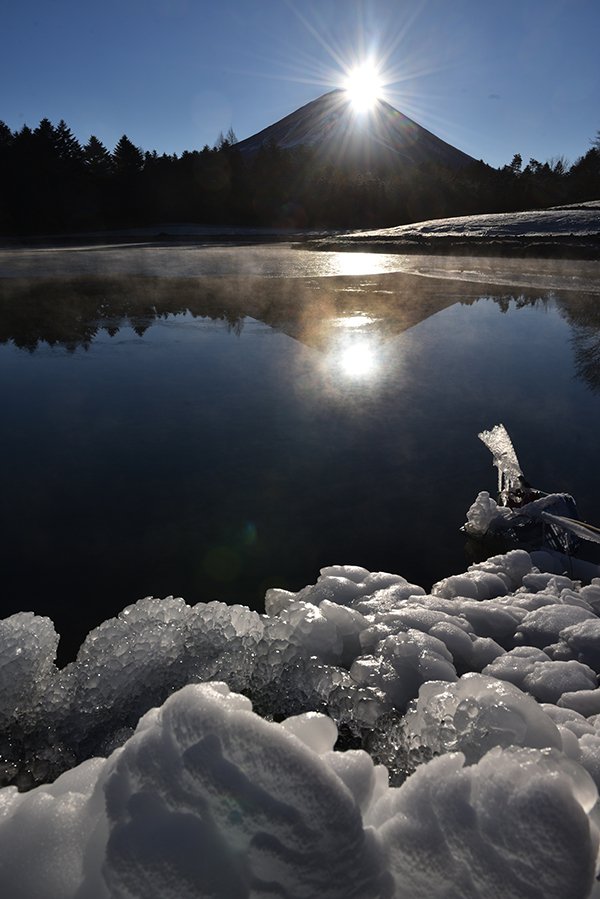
495, 671
567, 231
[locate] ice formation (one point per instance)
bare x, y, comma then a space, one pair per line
361, 738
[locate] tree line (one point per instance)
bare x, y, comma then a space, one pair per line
51, 183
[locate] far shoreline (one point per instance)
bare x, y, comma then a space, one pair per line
551, 247
566, 232
555, 247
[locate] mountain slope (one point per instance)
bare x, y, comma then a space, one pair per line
383, 135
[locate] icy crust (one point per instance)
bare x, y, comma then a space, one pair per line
432, 744
356, 645
209, 799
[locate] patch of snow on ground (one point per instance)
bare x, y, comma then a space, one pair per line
559, 221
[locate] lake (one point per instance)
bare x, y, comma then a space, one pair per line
211, 421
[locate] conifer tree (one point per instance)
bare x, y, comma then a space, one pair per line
6, 135
44, 143
131, 193
128, 159
97, 160
68, 147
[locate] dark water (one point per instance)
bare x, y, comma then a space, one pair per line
210, 437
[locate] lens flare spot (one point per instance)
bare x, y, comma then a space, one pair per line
249, 533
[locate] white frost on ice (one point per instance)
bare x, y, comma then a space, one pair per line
478, 828
209, 799
480, 699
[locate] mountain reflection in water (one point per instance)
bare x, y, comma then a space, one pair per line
214, 436
70, 313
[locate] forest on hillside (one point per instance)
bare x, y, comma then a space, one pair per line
50, 183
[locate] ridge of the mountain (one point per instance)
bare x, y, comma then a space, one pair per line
330, 126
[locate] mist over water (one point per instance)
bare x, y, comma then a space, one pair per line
193, 260
214, 421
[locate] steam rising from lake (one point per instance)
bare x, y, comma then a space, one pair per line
287, 261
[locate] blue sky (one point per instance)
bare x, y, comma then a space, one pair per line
491, 78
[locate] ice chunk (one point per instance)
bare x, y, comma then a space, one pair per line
485, 650
512, 567
276, 600
349, 624
589, 746
543, 626
386, 599
28, 646
457, 641
313, 630
334, 587
44, 835
475, 715
529, 602
591, 594
545, 582
485, 513
587, 702
351, 572
472, 585
547, 681
531, 670
32, 700
347, 585
491, 619
316, 731
513, 825
356, 771
514, 666
379, 580
501, 447
256, 811
404, 662
421, 618
583, 640
494, 577
569, 719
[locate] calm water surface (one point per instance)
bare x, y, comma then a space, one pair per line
211, 423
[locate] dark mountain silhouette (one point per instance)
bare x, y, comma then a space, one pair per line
383, 135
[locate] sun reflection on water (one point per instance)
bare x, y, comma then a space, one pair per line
359, 320
362, 263
359, 360
354, 350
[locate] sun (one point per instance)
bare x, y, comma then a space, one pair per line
363, 86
